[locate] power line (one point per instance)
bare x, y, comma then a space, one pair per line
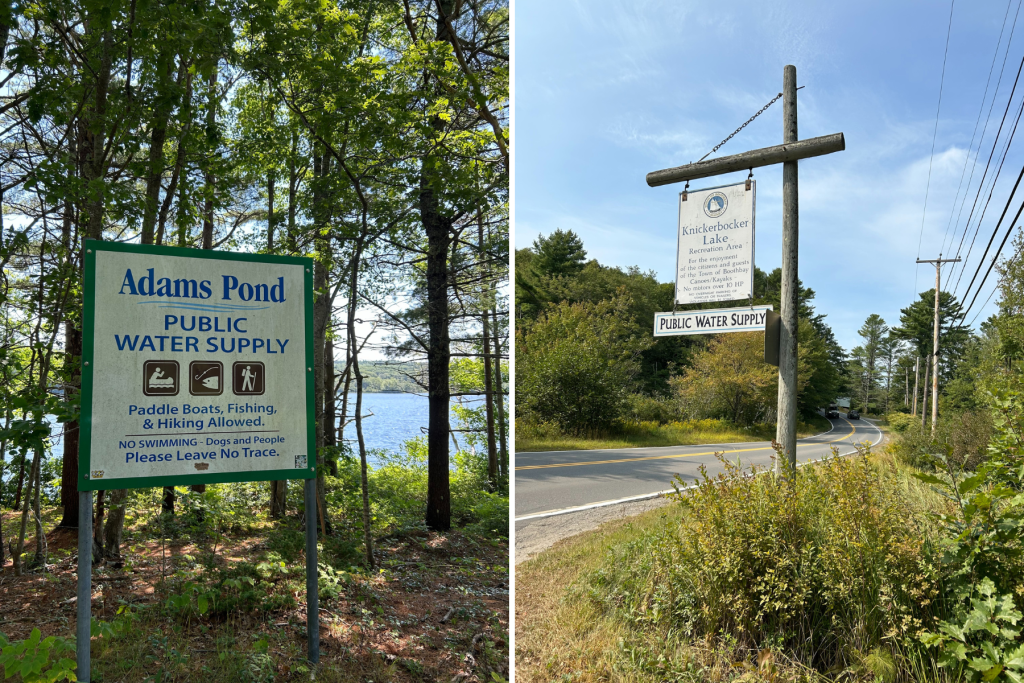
981, 108
935, 132
995, 144
989, 199
995, 257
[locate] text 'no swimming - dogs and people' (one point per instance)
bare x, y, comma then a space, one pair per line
197, 367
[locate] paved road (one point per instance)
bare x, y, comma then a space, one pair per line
558, 482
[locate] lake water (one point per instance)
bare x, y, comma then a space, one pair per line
395, 419
389, 420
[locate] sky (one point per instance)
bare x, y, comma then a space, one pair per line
609, 90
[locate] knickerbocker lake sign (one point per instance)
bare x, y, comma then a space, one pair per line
197, 367
715, 261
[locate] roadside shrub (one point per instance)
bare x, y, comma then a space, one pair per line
641, 408
576, 364
827, 567
966, 434
900, 422
982, 638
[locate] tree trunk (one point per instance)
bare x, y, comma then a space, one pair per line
40, 558
179, 157
21, 481
97, 527
278, 498
271, 178
438, 515
158, 136
500, 396
20, 547
437, 229
115, 527
321, 319
492, 451
353, 370
330, 408
69, 464
209, 179
293, 189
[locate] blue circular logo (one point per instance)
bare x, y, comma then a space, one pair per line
715, 205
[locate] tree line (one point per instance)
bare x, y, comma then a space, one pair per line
587, 359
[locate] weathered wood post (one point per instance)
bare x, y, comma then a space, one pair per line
785, 430
788, 153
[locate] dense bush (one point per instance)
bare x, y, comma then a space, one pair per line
830, 566
575, 365
641, 408
966, 435
901, 422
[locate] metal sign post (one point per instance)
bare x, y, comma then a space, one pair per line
197, 368
787, 154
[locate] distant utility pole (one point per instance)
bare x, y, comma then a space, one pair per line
906, 386
924, 390
935, 338
917, 374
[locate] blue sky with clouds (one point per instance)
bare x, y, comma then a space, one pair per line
608, 90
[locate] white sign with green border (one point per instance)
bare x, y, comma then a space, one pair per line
196, 367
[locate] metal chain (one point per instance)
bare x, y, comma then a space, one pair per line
719, 145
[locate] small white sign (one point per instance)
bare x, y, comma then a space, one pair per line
715, 260
711, 321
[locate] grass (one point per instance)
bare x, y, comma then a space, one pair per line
544, 438
564, 634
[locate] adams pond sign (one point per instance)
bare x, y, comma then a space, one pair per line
196, 367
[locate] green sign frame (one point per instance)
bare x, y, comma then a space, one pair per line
91, 248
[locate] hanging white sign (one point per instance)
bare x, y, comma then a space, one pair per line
710, 321
715, 261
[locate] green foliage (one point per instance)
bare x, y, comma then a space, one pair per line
965, 434
332, 582
729, 379
901, 422
37, 659
491, 512
982, 551
917, 323
822, 568
576, 364
560, 253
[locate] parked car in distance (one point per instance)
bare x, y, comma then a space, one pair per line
853, 415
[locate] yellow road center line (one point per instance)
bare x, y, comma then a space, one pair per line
666, 457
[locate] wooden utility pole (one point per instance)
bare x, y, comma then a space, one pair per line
785, 429
906, 386
924, 390
935, 338
788, 153
917, 374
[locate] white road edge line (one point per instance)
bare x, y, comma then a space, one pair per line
648, 496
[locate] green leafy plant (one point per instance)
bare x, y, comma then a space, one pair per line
37, 659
